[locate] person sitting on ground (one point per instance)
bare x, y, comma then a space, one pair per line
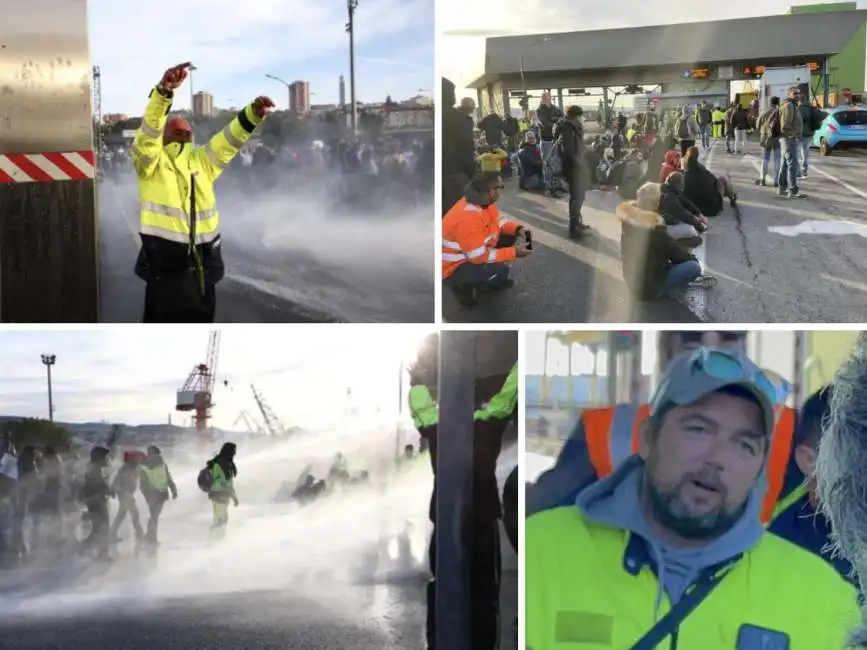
604, 168
703, 188
532, 165
654, 264
478, 244
671, 164
683, 219
628, 174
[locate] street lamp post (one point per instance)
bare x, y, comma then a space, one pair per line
288, 89
192, 69
48, 360
351, 6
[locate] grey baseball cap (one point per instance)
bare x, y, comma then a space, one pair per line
696, 373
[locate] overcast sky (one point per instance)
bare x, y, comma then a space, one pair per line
234, 44
465, 25
131, 374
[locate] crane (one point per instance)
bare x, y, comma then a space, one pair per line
272, 422
198, 391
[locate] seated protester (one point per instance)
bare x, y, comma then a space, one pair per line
703, 188
628, 177
798, 517
593, 156
670, 164
478, 244
605, 167
683, 219
654, 263
532, 165
668, 551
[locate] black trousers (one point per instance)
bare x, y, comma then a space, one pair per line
453, 189
482, 539
176, 299
576, 193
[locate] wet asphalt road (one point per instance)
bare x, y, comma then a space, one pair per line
782, 261
287, 259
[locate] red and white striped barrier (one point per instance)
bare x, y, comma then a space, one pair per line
47, 167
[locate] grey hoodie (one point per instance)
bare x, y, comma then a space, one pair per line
614, 502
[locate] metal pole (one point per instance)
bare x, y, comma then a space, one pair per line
48, 360
454, 488
350, 27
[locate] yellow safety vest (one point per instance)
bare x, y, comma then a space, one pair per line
164, 182
158, 477
579, 594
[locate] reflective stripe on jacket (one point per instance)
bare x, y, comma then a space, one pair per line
471, 234
579, 593
165, 182
157, 477
612, 434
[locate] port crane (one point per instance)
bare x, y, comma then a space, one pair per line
197, 392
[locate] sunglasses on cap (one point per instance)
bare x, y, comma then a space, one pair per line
727, 365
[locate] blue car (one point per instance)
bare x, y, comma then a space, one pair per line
844, 127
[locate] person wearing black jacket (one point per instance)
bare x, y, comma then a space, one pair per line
704, 189
570, 131
683, 219
95, 494
740, 125
458, 144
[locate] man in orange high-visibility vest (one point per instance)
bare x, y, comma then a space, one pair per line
478, 243
604, 437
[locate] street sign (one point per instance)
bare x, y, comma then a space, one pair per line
128, 133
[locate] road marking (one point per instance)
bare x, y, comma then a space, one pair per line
839, 181
821, 228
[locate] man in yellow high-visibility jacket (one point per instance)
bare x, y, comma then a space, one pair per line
180, 257
490, 420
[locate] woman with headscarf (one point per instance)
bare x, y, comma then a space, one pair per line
223, 472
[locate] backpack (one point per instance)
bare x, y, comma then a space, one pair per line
205, 479
772, 127
683, 129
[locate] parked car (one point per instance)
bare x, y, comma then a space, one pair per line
844, 127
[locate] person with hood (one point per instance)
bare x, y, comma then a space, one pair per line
654, 263
532, 164
570, 133
670, 165
677, 524
124, 486
95, 493
458, 145
628, 174
686, 130
683, 219
156, 484
703, 189
222, 490
812, 119
478, 244
180, 258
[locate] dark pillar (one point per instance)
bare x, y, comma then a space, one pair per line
454, 488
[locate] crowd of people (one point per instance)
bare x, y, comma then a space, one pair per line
669, 196
55, 505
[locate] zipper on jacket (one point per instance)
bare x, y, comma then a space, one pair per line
673, 644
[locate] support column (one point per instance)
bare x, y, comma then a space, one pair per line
560, 99
826, 82
456, 395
